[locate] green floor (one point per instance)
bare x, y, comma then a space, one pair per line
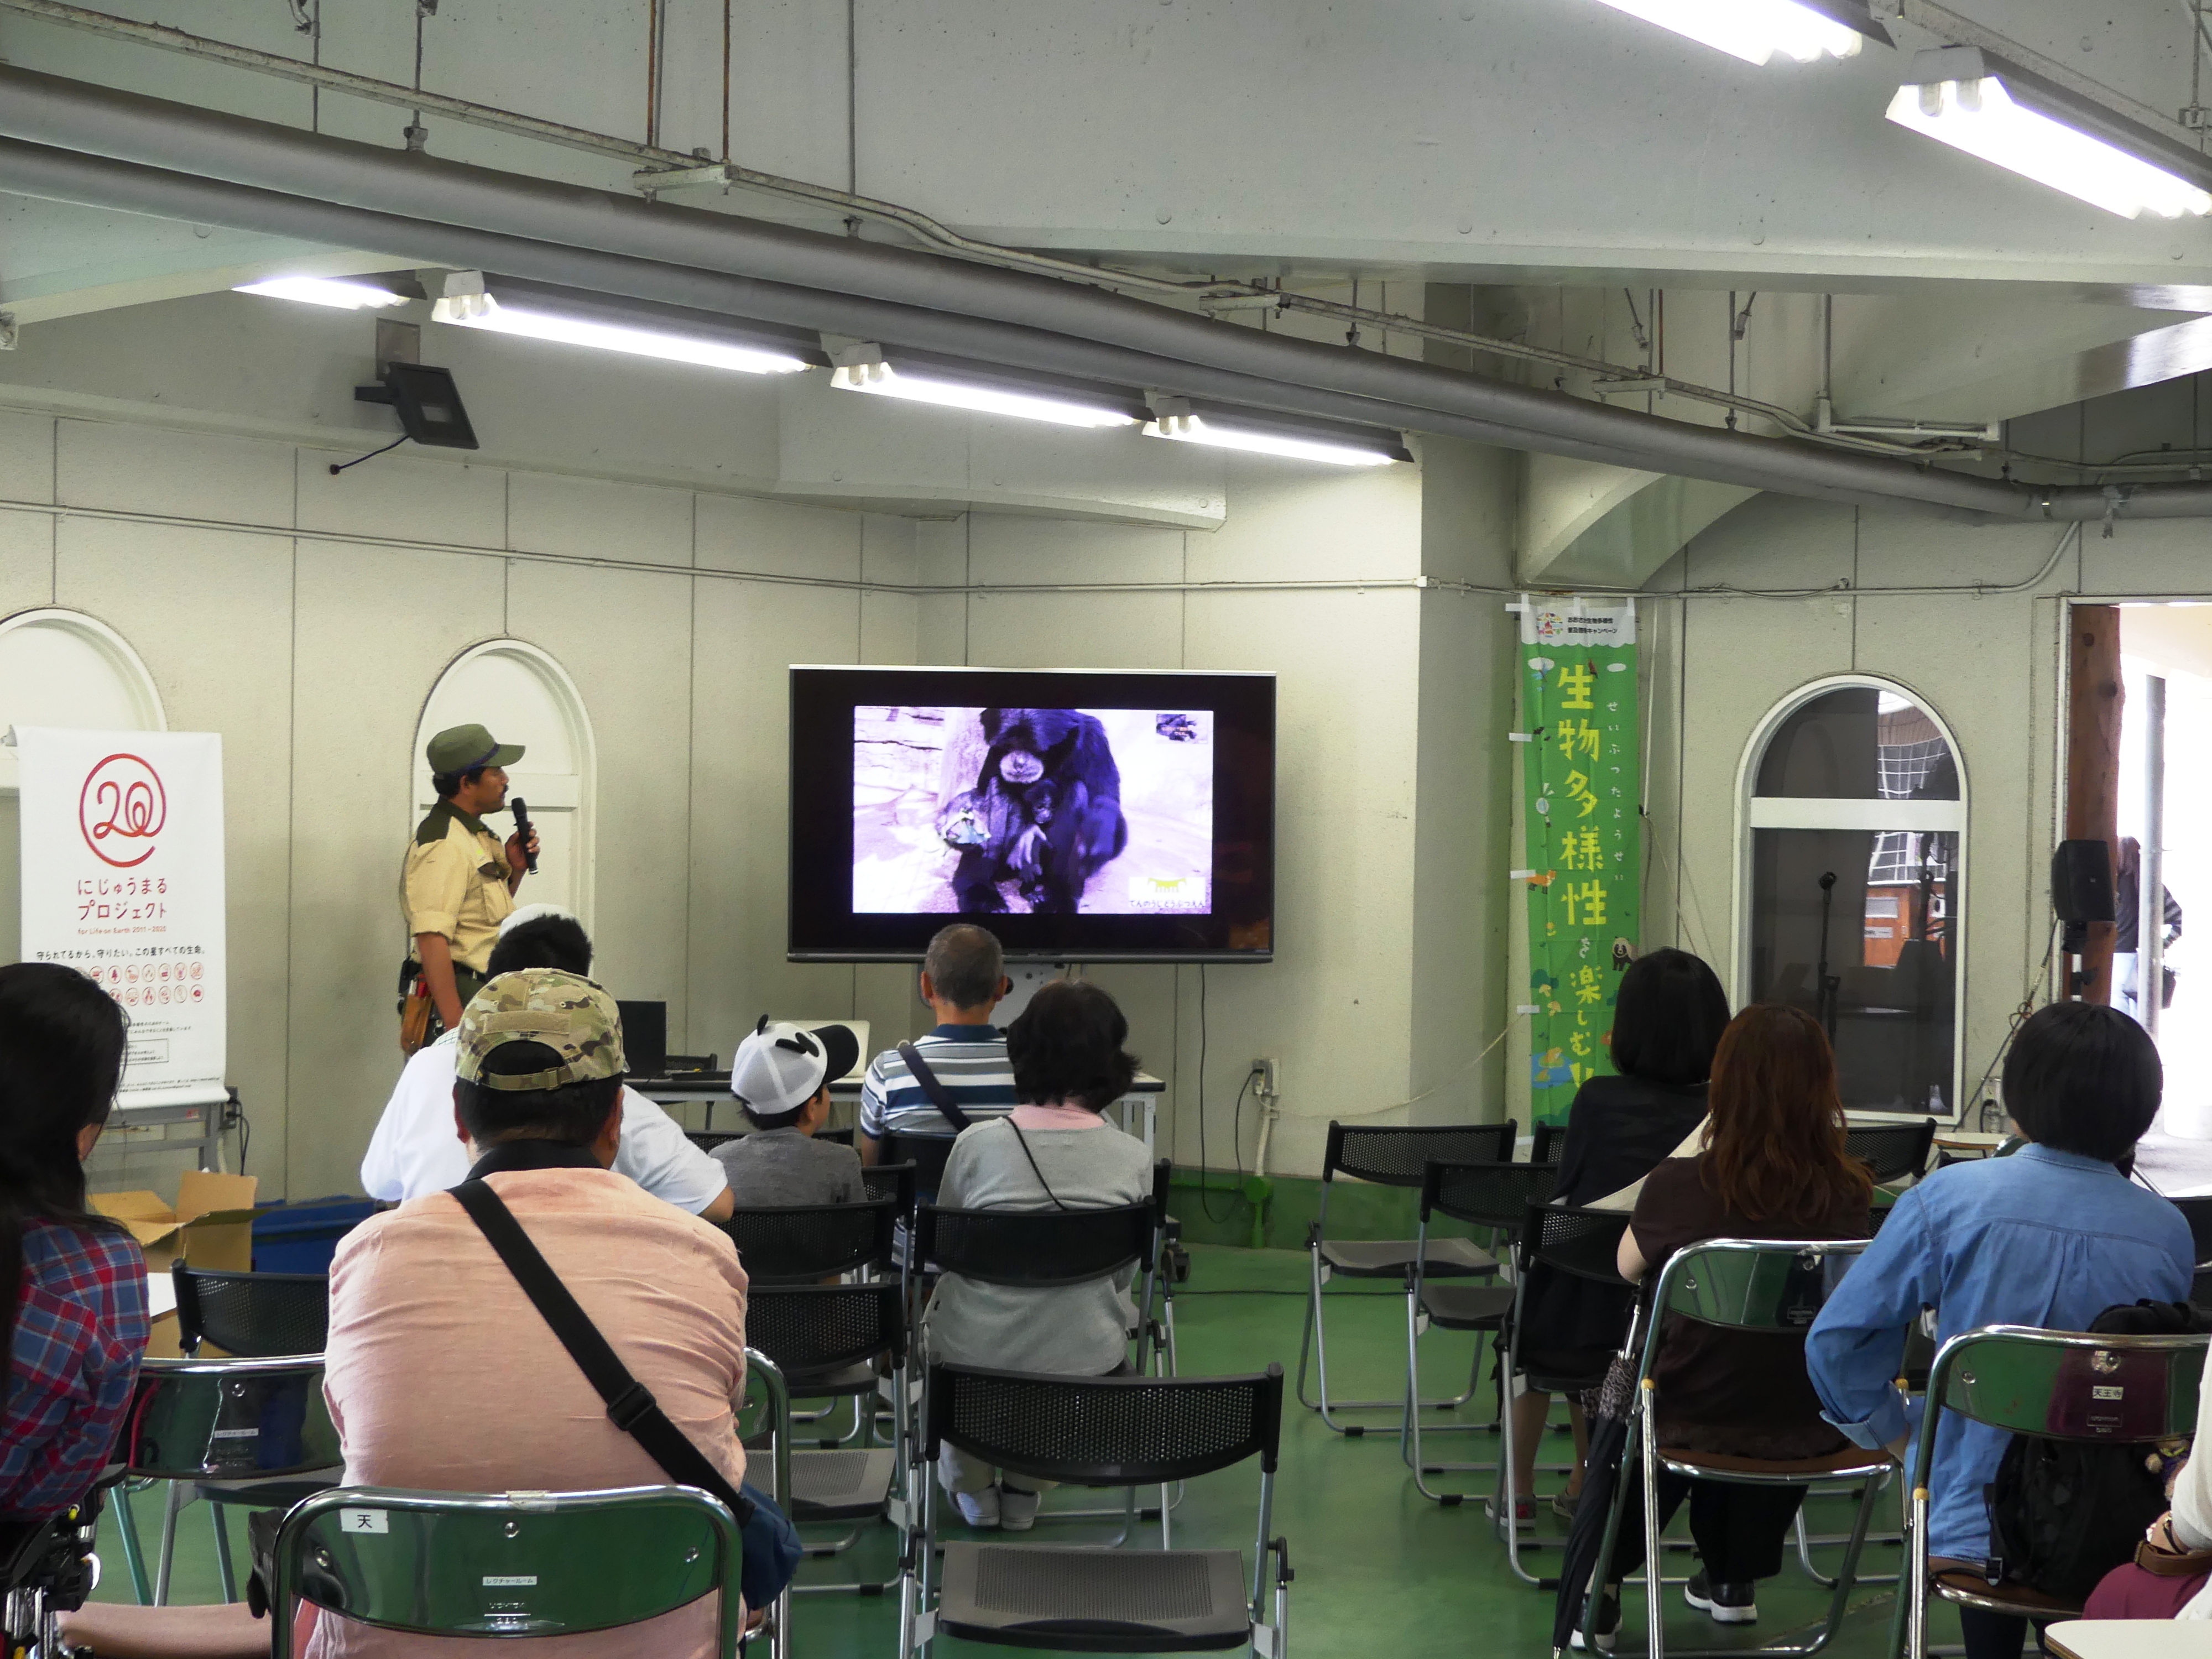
1373, 1559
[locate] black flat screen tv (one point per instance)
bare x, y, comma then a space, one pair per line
1081, 815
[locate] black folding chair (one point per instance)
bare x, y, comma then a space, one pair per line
1391, 1157
1492, 1195
1546, 1142
1100, 1432
1894, 1152
706, 1139
819, 1337
2197, 1213
1585, 1242
927, 1153
891, 1181
800, 1242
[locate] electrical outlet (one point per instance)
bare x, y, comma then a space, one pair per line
1267, 1076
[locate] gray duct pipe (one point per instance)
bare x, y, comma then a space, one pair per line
440, 200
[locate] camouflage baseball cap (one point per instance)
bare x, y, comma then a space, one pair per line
565, 1011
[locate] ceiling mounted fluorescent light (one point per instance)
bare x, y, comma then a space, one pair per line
2000, 112
540, 311
337, 292
1757, 31
920, 378
1219, 428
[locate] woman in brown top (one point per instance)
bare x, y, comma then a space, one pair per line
1774, 1167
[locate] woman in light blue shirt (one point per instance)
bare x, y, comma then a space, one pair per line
2051, 1236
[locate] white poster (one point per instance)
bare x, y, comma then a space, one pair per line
123, 881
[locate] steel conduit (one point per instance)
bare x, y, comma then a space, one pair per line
441, 212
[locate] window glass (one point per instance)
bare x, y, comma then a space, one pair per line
1860, 743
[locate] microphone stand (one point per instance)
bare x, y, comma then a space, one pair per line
1825, 1008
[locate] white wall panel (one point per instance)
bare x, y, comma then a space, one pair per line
193, 475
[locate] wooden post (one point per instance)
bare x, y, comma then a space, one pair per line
2095, 696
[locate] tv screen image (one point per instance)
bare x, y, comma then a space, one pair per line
1081, 815
967, 811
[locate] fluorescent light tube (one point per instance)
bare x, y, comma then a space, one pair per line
882, 380
1753, 30
335, 291
1185, 428
534, 322
1977, 114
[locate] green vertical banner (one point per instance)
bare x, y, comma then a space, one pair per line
1581, 767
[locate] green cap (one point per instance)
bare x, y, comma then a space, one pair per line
565, 1011
464, 748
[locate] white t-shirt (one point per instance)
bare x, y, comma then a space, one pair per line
417, 1149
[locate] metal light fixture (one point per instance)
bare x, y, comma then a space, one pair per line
2006, 115
429, 404
563, 316
1220, 427
1757, 31
341, 293
921, 379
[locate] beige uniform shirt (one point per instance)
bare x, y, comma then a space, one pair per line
455, 882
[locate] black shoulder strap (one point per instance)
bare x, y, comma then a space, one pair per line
940, 1096
629, 1403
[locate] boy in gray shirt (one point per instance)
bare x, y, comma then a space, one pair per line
780, 1076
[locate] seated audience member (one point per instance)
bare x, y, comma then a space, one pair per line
780, 1076
1667, 1021
2052, 1236
1053, 1152
964, 978
2173, 1563
1773, 1166
75, 1307
416, 1148
442, 1376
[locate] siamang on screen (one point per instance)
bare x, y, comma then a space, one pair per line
1045, 811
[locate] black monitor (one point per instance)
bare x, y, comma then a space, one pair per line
645, 1037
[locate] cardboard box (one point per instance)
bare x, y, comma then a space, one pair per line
210, 1225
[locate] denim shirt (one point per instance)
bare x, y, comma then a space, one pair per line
2043, 1237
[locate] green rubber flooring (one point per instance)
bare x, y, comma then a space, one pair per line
1376, 1563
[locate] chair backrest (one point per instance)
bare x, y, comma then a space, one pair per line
926, 1153
1106, 1431
512, 1564
1163, 1179
835, 1137
1486, 1194
2071, 1385
254, 1315
229, 1420
2197, 1213
1892, 1151
1395, 1155
891, 1181
706, 1139
816, 1328
1036, 1247
796, 1242
1546, 1142
1582, 1242
1756, 1285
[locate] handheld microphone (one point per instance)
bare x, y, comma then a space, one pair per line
522, 829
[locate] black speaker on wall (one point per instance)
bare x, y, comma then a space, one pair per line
2081, 882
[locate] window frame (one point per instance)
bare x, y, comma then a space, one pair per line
1754, 812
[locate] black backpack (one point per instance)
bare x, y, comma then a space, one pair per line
2063, 1513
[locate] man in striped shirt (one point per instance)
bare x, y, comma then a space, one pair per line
964, 978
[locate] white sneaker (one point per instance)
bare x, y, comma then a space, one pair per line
980, 1510
1017, 1509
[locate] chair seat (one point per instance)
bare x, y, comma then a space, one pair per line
1850, 1463
857, 1378
839, 1485
1095, 1601
1389, 1258
264, 1494
1964, 1582
1467, 1307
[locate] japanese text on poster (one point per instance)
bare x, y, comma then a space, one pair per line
1580, 792
123, 880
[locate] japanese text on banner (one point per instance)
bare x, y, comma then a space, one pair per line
1581, 790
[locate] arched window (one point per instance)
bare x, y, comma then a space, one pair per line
60, 668
1851, 893
526, 697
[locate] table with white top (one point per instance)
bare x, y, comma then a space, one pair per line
2130, 1638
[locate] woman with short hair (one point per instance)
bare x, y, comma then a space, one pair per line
2051, 1236
1053, 1152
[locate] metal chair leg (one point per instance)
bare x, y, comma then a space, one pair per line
127, 1531
226, 1575
175, 1502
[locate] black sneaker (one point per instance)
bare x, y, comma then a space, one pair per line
1729, 1604
1605, 1628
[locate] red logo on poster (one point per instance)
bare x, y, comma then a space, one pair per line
122, 803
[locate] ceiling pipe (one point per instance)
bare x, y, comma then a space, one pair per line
432, 202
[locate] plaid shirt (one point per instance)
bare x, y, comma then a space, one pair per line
80, 1328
